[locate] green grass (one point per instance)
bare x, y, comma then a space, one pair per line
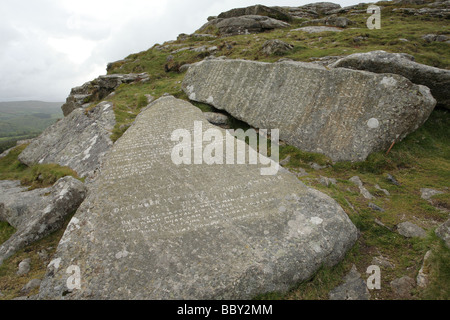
36, 176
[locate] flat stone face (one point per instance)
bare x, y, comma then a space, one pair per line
342, 113
153, 230
78, 141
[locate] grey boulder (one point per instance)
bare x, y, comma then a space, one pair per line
245, 25
353, 288
78, 141
438, 80
98, 89
411, 230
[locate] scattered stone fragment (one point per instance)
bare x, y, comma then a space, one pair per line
316, 166
277, 47
443, 232
381, 224
30, 286
24, 267
402, 287
427, 193
357, 181
327, 182
382, 262
354, 288
434, 37
410, 230
424, 272
392, 180
382, 190
375, 207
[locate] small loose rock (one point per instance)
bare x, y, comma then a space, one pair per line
410, 230
375, 207
30, 286
402, 287
24, 267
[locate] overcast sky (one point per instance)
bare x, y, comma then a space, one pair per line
49, 46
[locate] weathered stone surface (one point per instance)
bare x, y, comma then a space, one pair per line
387, 193
258, 10
276, 46
154, 230
30, 286
35, 214
353, 288
24, 267
443, 232
438, 80
434, 37
245, 25
411, 230
218, 119
424, 272
402, 287
345, 114
97, 90
78, 141
373, 206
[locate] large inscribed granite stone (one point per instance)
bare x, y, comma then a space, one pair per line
150, 229
342, 113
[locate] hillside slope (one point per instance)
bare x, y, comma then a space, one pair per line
396, 178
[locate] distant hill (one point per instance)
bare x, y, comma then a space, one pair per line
26, 119
31, 106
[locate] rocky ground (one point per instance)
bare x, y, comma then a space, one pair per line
398, 197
